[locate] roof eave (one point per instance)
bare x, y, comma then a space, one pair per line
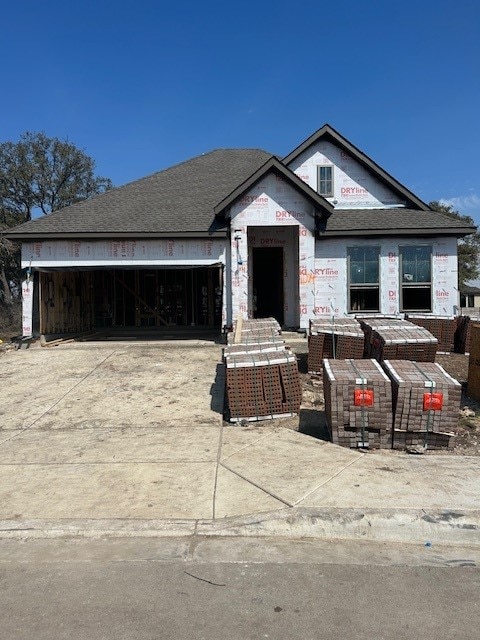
459, 233
32, 237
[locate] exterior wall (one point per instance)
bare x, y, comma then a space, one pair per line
120, 253
353, 185
273, 204
331, 278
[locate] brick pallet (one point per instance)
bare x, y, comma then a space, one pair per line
326, 323
403, 343
337, 344
262, 385
464, 333
369, 325
426, 399
254, 323
358, 403
473, 384
259, 325
405, 439
443, 328
341, 339
269, 346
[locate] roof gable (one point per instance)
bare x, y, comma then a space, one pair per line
330, 134
273, 165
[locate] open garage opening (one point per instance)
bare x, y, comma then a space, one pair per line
139, 301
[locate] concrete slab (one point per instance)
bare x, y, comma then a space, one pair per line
84, 446
235, 496
403, 482
57, 491
84, 386
37, 379
289, 465
236, 438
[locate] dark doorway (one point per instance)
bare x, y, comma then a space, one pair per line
268, 299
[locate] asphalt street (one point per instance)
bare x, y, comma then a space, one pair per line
143, 589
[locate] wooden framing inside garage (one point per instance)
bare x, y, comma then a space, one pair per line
74, 301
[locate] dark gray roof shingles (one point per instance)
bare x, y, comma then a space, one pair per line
181, 199
177, 200
390, 221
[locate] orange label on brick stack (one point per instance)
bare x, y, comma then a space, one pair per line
363, 398
432, 401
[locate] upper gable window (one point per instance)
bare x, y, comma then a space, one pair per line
325, 181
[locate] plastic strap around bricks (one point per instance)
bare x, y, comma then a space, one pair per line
255, 383
430, 411
268, 382
334, 349
286, 380
362, 406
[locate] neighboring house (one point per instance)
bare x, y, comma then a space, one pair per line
323, 231
469, 297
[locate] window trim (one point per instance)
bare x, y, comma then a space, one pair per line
415, 285
325, 166
366, 285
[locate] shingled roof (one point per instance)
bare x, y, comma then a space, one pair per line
394, 221
183, 201
179, 200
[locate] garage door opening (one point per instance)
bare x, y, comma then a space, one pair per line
72, 301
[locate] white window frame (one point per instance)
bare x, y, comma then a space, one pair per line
319, 180
414, 284
363, 286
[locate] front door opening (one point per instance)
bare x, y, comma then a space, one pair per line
268, 294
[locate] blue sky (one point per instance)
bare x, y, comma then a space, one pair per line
143, 85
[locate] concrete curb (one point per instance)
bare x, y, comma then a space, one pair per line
402, 525
380, 525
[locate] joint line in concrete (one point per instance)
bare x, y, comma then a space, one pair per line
62, 398
328, 479
269, 493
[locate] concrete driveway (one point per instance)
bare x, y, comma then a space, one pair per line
133, 432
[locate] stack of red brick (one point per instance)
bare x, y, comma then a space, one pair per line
369, 325
255, 331
426, 401
444, 328
358, 403
395, 338
262, 379
402, 405
464, 333
337, 338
